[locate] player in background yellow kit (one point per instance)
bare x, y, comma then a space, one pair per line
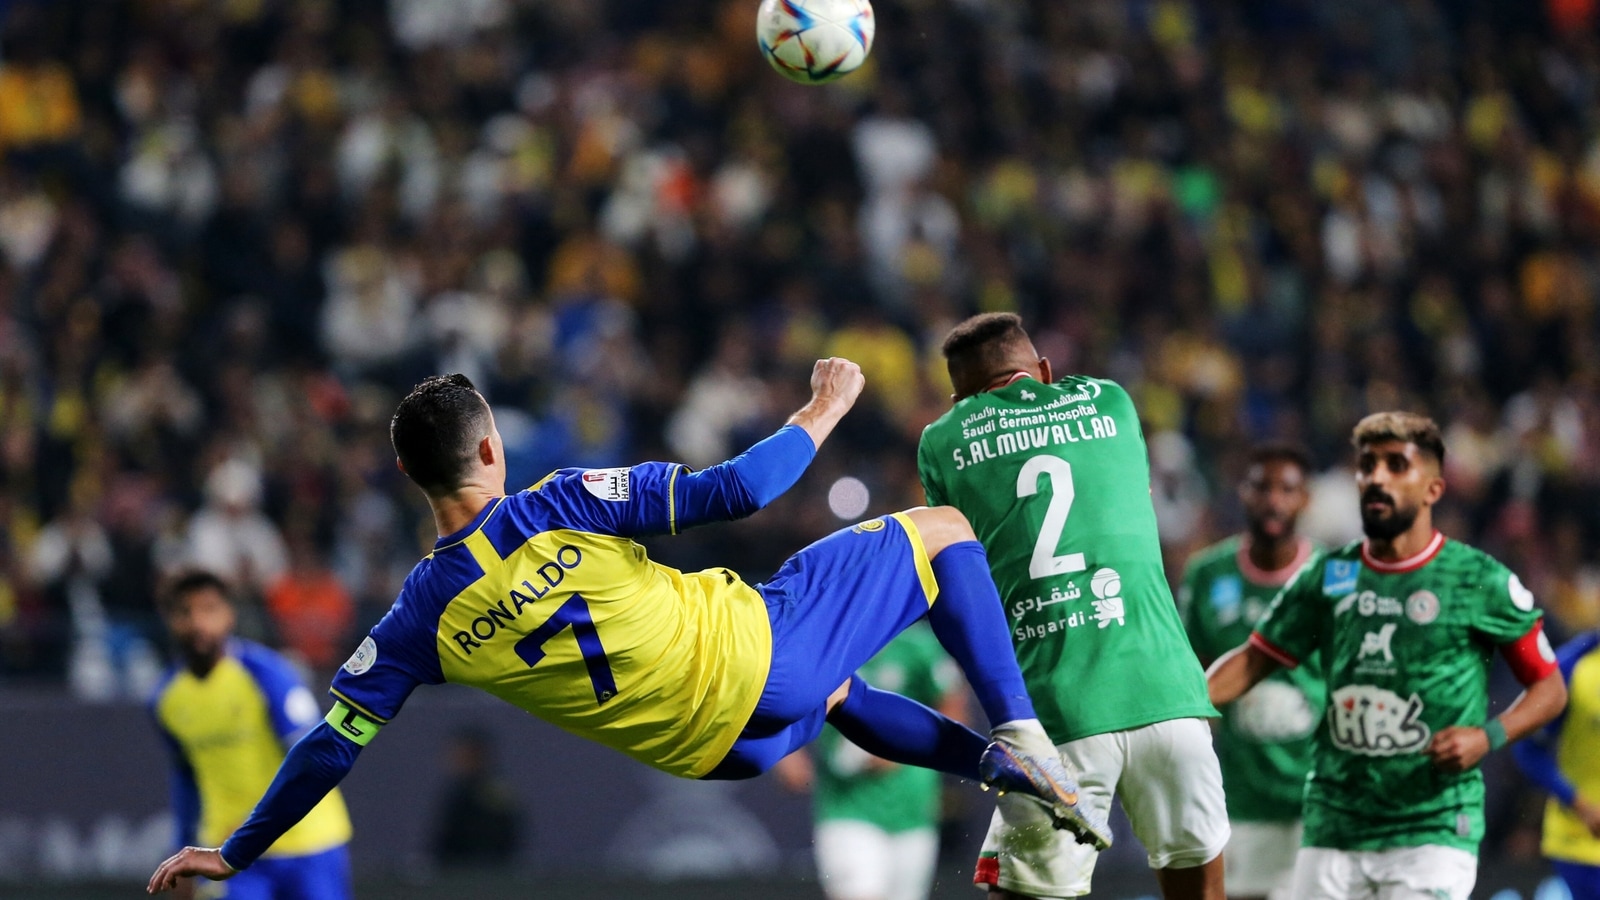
227, 713
544, 599
1563, 757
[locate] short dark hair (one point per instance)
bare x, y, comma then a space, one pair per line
1279, 452
983, 347
186, 582
1407, 427
436, 429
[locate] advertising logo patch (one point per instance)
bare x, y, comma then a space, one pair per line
1339, 576
608, 484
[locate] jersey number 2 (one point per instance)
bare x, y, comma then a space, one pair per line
574, 612
1045, 561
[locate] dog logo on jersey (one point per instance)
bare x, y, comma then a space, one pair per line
1377, 642
1372, 721
868, 526
608, 484
1339, 577
363, 658
1422, 607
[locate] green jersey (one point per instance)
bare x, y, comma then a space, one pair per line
1405, 650
1055, 480
850, 783
1264, 739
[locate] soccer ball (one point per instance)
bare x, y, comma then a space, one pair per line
815, 41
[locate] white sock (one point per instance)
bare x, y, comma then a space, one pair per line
1027, 735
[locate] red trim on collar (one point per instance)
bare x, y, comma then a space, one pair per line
1275, 577
1405, 565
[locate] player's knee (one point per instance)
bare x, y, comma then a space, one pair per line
941, 526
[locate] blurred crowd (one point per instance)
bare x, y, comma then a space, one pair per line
234, 232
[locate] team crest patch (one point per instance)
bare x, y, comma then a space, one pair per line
1339, 576
1422, 607
363, 658
608, 484
1521, 597
868, 526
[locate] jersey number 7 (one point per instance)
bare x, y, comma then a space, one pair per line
574, 612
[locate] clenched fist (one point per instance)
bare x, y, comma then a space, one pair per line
836, 380
1458, 748
835, 385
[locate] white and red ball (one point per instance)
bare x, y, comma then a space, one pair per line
815, 41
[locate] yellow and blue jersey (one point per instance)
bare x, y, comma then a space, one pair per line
1564, 756
227, 733
546, 601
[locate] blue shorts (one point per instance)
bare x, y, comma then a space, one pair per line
832, 606
1583, 881
316, 876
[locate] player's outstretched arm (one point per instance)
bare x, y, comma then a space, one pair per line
756, 477
1237, 671
313, 767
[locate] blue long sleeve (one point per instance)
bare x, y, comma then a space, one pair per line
184, 793
1536, 760
746, 483
313, 767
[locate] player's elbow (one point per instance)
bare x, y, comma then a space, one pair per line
1552, 693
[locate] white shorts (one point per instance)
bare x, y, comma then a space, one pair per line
858, 861
1171, 788
1430, 872
1259, 859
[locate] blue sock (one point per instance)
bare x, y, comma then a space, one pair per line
902, 730
970, 622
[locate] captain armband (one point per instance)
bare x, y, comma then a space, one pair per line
354, 725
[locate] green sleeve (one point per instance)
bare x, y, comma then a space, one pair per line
928, 472
1294, 622
1507, 611
1187, 590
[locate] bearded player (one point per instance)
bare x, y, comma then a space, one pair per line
1404, 623
1055, 479
1263, 741
543, 599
